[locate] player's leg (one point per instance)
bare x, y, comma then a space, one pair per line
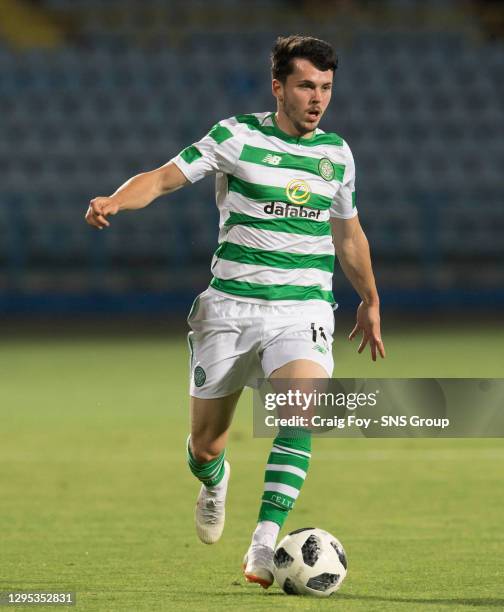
210, 421
285, 473
206, 448
297, 345
219, 362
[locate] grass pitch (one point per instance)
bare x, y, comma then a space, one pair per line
96, 496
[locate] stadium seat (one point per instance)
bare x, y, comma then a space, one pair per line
422, 111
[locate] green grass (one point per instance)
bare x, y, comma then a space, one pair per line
96, 496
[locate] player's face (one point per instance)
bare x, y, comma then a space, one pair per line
303, 98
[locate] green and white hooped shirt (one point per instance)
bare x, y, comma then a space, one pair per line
275, 194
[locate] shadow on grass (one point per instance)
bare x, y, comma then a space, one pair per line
475, 602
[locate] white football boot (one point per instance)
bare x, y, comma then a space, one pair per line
210, 513
258, 565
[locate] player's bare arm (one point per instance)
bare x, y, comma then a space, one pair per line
352, 250
138, 192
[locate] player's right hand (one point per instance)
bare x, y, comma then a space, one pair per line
99, 209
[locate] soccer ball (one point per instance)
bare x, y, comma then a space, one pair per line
310, 561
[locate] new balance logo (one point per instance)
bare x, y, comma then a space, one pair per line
273, 160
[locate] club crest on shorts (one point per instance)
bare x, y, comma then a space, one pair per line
199, 376
326, 169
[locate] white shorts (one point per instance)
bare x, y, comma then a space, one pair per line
233, 343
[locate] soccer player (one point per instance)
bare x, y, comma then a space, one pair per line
286, 196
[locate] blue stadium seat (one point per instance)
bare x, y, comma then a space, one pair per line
422, 111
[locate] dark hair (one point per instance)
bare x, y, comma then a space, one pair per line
287, 48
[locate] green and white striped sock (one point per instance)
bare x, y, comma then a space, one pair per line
285, 473
210, 473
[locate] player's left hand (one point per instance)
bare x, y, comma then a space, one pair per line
368, 321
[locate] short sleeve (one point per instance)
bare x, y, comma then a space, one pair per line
218, 151
343, 205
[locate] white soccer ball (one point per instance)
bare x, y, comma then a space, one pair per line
310, 561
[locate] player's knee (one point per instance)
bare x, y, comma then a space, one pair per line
204, 452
